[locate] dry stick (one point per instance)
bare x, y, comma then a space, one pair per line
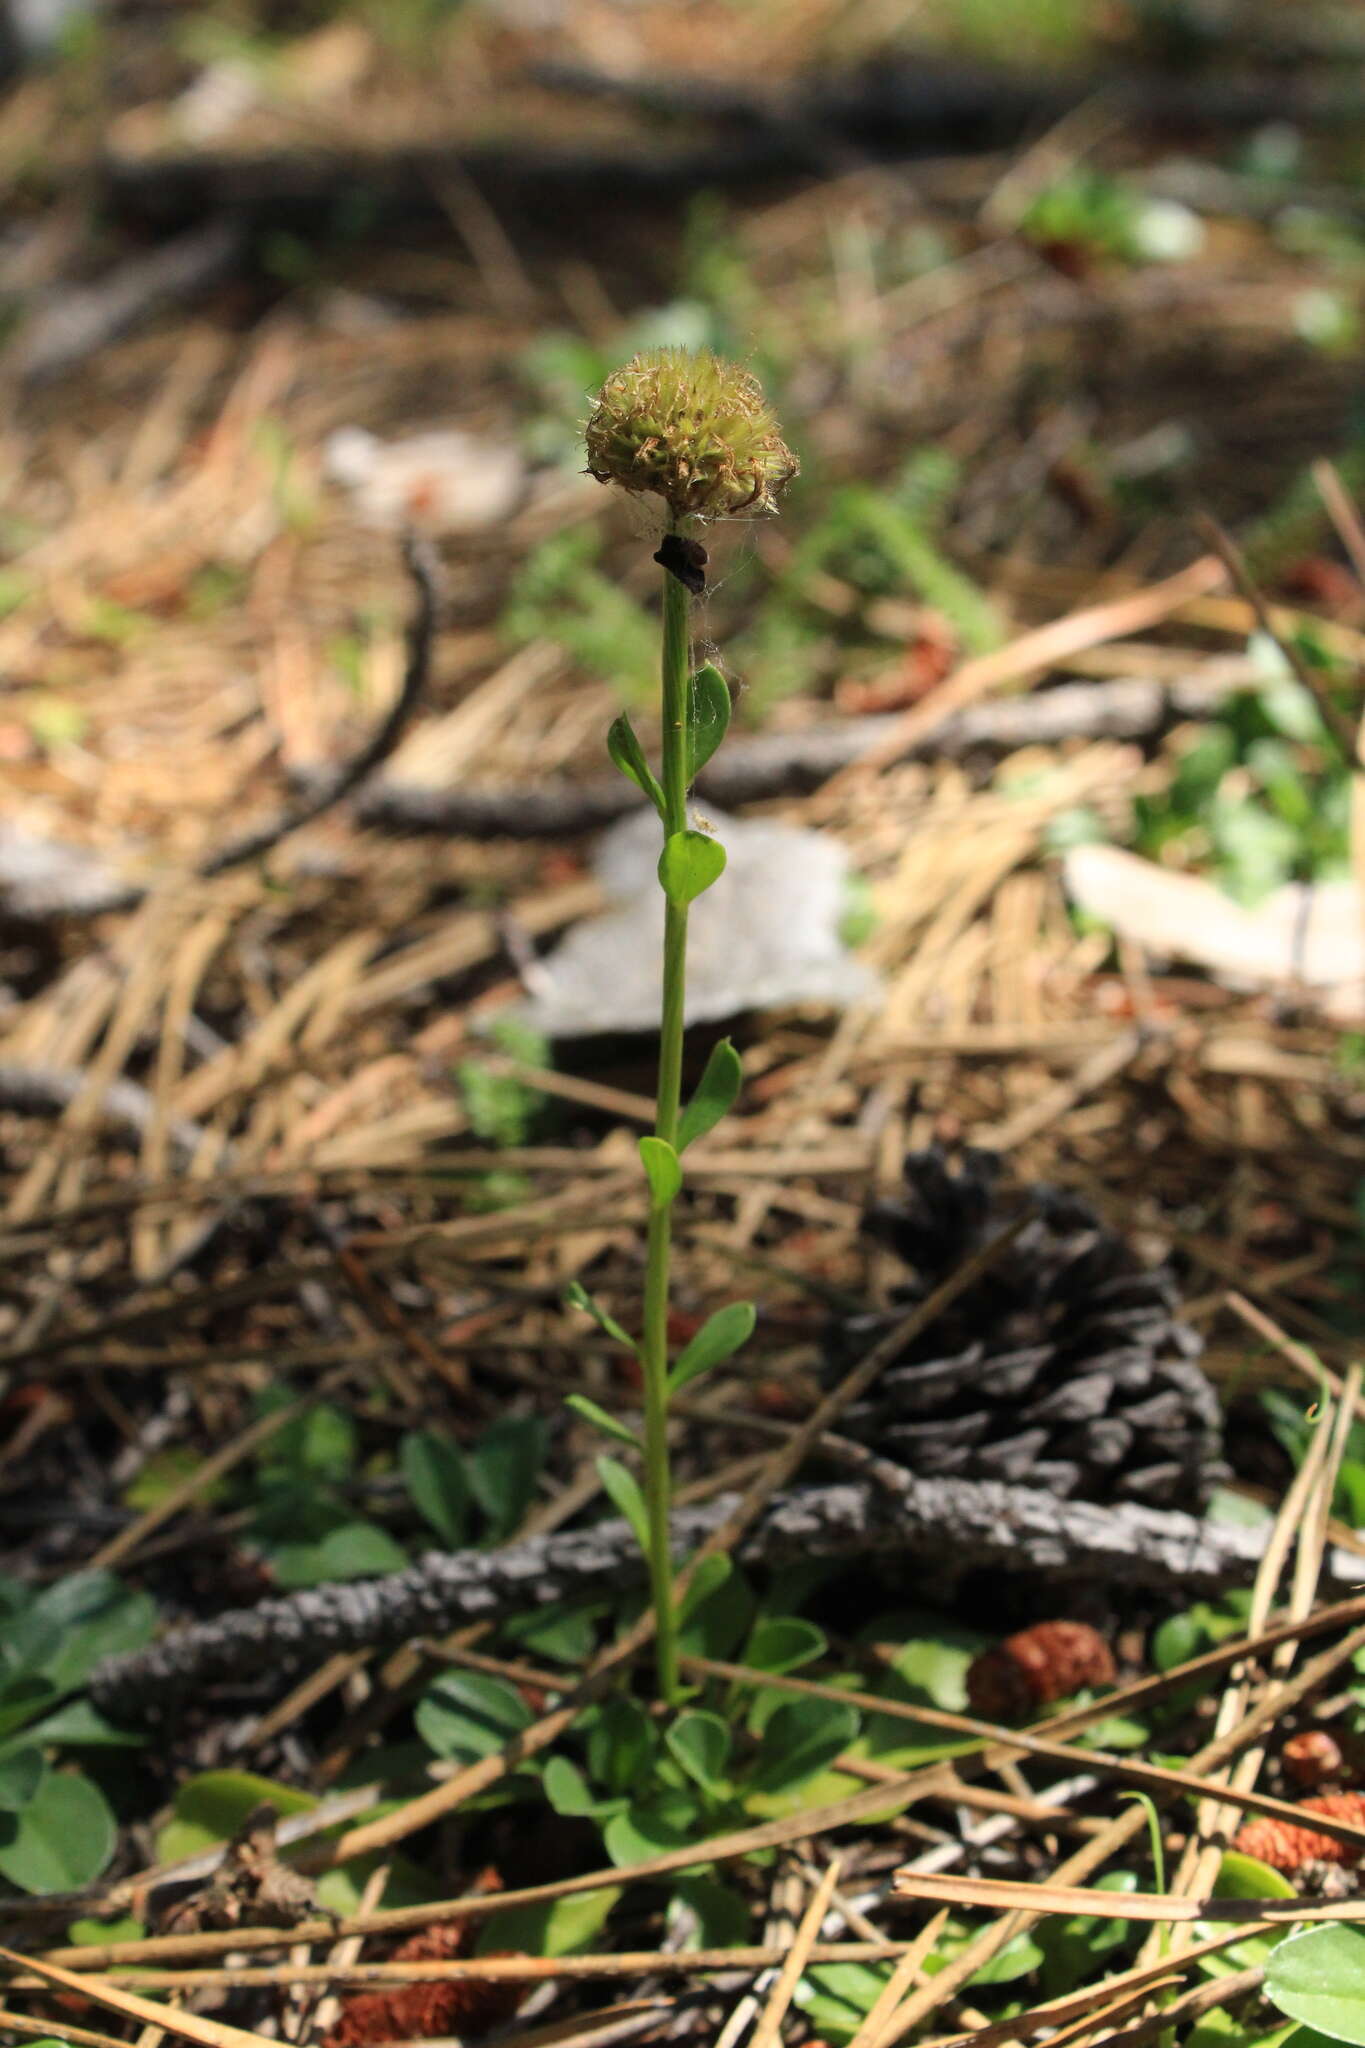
1078, 2004
1342, 513
1154, 1777
1307, 1362
1037, 650
193, 2026
784, 764
1340, 727
1211, 1997
119, 1547
1302, 1517
879, 1800
83, 2037
898, 1984
444, 1799
768, 2032
1121, 1830
420, 563
504, 1969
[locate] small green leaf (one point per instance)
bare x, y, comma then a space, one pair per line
433, 1472
569, 1792
663, 1170
700, 1744
561, 1927
21, 1773
504, 1468
722, 1915
1318, 1978
578, 1297
621, 1744
465, 1715
623, 1490
717, 1613
79, 1724
357, 1550
715, 1094
783, 1642
719, 1337
600, 1419
212, 1806
62, 1839
1246, 1877
649, 1830
688, 865
708, 715
628, 755
800, 1739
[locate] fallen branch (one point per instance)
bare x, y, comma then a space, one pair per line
790, 763
971, 1522
37, 881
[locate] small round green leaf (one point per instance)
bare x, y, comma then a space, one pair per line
700, 1744
663, 1170
465, 1715
433, 1472
21, 1773
688, 865
1319, 1978
715, 1094
62, 1839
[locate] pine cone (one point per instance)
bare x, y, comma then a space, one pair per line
1065, 1367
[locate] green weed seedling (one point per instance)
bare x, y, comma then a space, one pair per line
696, 433
57, 1829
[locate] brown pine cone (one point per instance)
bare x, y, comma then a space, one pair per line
1035, 1667
1288, 1848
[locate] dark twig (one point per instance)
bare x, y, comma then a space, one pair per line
332, 789
787, 764
973, 1522
1336, 721
39, 881
50, 1091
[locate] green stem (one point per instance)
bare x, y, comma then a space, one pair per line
659, 1246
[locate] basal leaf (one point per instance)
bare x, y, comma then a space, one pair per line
434, 1474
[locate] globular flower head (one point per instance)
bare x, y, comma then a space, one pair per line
694, 429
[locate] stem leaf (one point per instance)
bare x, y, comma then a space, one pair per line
718, 1338
623, 1490
708, 716
663, 1170
600, 1419
629, 757
715, 1094
689, 864
578, 1297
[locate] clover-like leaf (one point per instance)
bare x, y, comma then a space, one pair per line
688, 865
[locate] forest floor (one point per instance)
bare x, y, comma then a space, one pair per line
293, 1190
